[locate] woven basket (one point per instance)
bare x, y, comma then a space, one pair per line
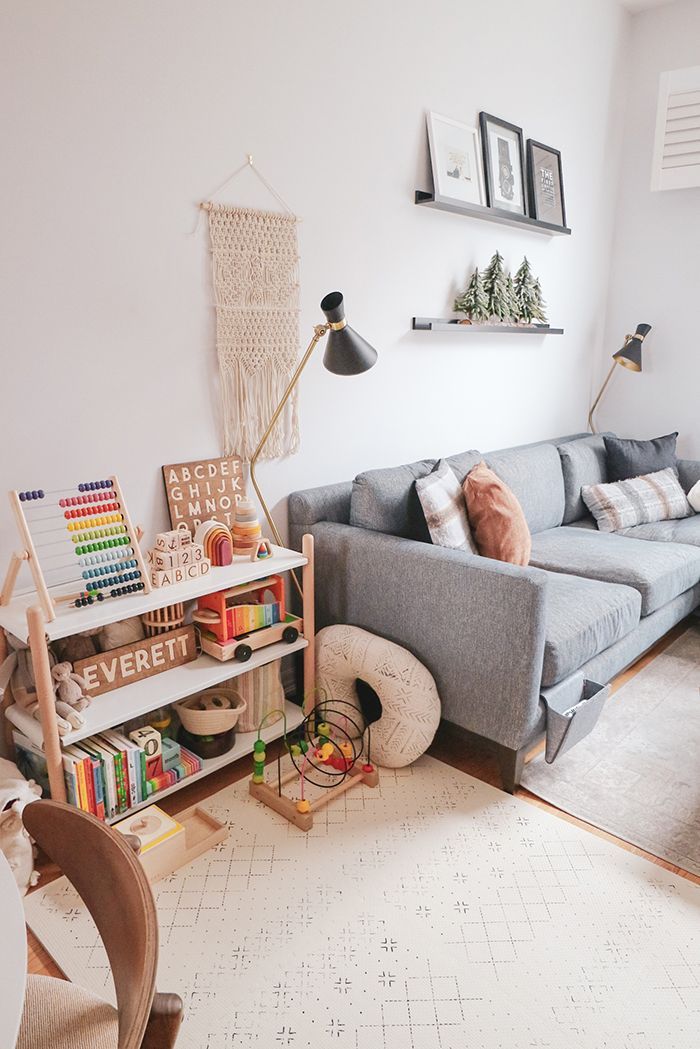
213, 721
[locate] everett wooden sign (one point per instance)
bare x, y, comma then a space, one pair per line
140, 659
204, 490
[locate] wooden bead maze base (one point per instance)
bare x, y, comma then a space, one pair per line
324, 745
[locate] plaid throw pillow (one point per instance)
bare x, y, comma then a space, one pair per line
639, 500
445, 511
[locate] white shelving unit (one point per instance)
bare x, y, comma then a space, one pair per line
24, 618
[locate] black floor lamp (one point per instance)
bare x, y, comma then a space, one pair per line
629, 356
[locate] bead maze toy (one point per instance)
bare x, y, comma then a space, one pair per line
234, 623
330, 742
76, 537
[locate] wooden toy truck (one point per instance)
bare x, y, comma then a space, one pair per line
234, 623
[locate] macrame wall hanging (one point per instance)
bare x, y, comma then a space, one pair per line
255, 271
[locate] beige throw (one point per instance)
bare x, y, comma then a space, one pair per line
256, 293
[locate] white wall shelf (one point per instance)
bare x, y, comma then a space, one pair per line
70, 620
455, 326
242, 747
479, 211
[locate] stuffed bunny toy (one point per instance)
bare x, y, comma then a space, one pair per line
70, 698
15, 793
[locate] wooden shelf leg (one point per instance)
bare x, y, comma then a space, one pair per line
47, 703
307, 582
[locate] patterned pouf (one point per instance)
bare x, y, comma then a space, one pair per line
406, 690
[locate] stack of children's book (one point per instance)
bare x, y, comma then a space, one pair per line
105, 774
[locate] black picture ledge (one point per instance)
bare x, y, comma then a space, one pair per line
479, 211
454, 325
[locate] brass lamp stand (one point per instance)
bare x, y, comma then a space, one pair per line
629, 356
347, 353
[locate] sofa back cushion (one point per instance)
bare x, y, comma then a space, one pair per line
583, 463
386, 500
533, 474
461, 464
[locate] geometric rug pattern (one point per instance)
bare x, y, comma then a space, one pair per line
432, 912
637, 774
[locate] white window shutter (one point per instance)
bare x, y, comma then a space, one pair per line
676, 163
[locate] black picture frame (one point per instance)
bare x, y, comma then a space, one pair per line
494, 195
539, 208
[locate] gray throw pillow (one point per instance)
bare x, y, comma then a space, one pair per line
633, 458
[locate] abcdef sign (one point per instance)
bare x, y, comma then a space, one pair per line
204, 490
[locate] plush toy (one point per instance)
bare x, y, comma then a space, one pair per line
15, 793
70, 697
17, 670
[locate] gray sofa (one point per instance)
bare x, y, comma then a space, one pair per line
495, 636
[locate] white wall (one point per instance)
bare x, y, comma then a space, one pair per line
117, 118
656, 260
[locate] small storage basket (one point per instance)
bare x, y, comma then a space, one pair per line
573, 708
215, 717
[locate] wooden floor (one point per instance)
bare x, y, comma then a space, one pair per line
449, 746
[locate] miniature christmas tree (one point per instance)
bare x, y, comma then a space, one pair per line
473, 301
538, 315
511, 300
524, 288
496, 290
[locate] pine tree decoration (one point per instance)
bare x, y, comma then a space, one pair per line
512, 300
496, 289
528, 296
473, 301
524, 288
539, 315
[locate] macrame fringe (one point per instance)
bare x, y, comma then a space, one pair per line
248, 408
256, 292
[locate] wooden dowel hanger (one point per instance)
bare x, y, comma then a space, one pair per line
206, 205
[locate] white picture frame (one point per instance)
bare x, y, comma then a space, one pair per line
456, 160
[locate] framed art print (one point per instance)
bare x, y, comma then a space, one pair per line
504, 165
455, 160
545, 184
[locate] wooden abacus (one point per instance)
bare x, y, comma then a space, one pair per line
81, 535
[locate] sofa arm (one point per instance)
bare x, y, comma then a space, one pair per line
688, 473
477, 624
331, 502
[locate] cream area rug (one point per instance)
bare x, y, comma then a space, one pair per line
638, 773
433, 912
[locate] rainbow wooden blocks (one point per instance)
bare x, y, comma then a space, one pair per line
175, 558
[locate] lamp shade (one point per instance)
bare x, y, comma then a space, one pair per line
347, 353
630, 355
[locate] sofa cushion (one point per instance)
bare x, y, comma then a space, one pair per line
632, 458
583, 462
583, 618
387, 501
533, 474
638, 500
461, 464
685, 530
659, 571
445, 510
496, 517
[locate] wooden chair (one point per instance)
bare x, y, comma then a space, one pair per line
104, 870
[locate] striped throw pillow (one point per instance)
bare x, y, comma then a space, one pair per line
445, 511
639, 500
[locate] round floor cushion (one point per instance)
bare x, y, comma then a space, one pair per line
410, 704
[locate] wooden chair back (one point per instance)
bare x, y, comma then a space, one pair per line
110, 880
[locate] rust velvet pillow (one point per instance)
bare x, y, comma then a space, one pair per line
496, 517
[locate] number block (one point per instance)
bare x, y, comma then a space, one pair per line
173, 540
